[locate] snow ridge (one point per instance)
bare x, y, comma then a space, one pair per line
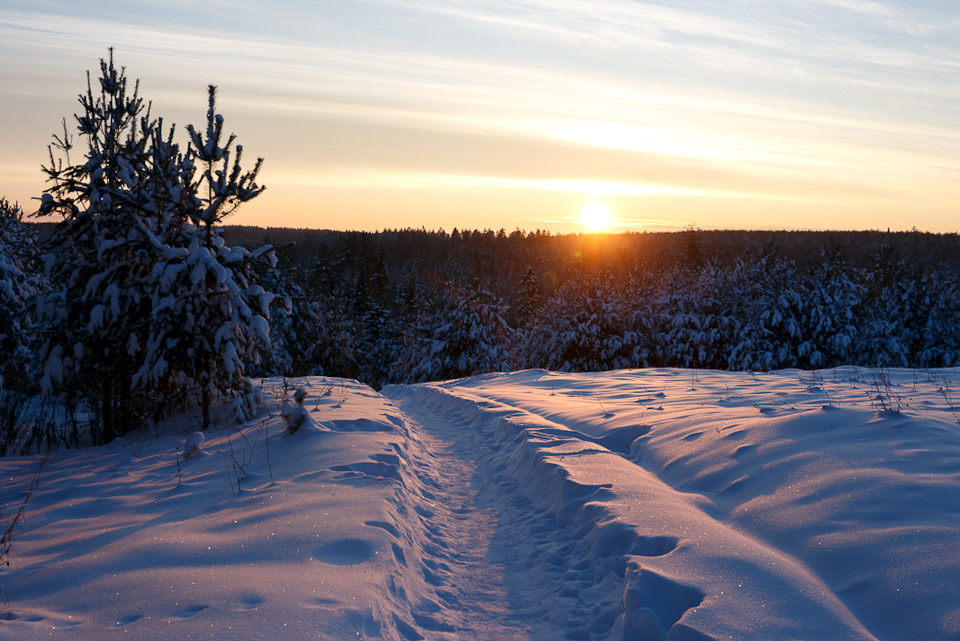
603, 569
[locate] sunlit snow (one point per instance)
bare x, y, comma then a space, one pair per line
641, 504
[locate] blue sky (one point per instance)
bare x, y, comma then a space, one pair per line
372, 114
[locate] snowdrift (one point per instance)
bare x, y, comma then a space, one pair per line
642, 504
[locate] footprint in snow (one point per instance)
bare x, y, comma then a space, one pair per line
654, 603
128, 619
739, 435
383, 525
345, 552
743, 449
13, 616
250, 602
190, 611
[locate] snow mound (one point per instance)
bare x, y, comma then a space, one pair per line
647, 504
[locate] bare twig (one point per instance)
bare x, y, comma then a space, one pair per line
6, 539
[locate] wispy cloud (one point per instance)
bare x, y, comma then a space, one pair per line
604, 188
814, 101
773, 37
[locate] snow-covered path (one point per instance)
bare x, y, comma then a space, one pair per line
543, 579
459, 522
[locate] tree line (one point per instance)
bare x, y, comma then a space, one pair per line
402, 306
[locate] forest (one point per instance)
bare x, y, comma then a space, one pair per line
414, 305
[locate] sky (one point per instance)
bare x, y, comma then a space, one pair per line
477, 114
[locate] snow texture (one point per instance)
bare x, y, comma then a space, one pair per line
633, 504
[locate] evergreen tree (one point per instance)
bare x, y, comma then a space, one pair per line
460, 336
528, 298
770, 306
18, 287
584, 327
210, 313
149, 301
697, 322
377, 335
831, 310
294, 320
939, 338
99, 262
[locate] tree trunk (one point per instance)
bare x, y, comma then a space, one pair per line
205, 405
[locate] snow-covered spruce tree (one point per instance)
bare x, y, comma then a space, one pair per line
460, 336
138, 267
884, 339
584, 327
328, 337
940, 338
18, 287
770, 305
527, 299
98, 261
284, 341
694, 321
379, 334
209, 314
832, 300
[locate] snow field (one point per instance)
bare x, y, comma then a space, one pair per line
851, 474
116, 546
626, 505
642, 554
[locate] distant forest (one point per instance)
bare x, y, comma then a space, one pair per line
411, 305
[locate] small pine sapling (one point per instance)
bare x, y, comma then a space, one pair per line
295, 414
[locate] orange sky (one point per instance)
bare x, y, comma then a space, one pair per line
372, 114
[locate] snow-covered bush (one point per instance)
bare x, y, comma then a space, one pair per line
192, 444
294, 414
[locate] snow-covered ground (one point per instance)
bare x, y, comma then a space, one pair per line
642, 504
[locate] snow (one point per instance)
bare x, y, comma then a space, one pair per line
633, 504
192, 444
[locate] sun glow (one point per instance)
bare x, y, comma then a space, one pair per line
596, 216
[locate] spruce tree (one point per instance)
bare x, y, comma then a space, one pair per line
98, 260
209, 315
149, 304
18, 287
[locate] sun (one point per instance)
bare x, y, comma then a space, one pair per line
596, 216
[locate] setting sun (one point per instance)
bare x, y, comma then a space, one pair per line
596, 216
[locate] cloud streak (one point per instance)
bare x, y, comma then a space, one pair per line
844, 96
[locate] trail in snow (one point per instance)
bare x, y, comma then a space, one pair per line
460, 525
541, 579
